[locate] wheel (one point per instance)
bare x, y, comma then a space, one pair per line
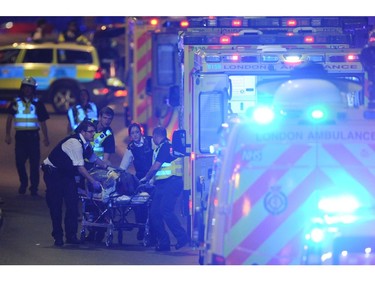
109, 240
63, 95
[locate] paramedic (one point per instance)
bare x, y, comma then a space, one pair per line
139, 153
167, 172
104, 147
29, 115
61, 166
83, 109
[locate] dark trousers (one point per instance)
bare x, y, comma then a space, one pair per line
27, 147
163, 210
61, 189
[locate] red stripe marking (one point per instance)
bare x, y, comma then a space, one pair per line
268, 226
144, 37
341, 154
261, 186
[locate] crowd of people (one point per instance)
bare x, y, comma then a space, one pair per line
90, 143
72, 33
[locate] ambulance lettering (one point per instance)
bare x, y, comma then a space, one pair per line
257, 67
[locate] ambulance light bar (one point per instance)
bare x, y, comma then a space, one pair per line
265, 39
345, 58
278, 22
286, 58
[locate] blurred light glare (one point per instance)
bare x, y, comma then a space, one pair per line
263, 115
343, 204
317, 235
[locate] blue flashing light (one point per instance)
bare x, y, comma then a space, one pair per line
263, 115
343, 204
317, 114
317, 235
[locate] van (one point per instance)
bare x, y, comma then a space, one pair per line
293, 183
60, 69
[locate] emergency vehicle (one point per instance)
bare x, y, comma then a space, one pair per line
153, 70
270, 189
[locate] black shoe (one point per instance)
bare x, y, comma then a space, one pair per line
22, 190
162, 248
59, 242
181, 244
73, 240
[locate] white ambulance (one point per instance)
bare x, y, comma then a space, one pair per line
294, 183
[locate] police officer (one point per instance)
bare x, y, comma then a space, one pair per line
83, 109
167, 173
104, 141
29, 115
61, 166
104, 147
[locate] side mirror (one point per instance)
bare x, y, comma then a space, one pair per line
179, 143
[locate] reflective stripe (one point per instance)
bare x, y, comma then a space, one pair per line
25, 117
168, 169
97, 144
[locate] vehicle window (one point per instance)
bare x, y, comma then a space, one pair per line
38, 56
74, 57
8, 56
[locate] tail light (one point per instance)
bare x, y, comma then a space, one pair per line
99, 74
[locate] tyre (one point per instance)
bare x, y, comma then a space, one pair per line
63, 95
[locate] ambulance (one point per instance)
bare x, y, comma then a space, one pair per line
277, 134
153, 70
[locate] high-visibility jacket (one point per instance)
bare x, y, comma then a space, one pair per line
97, 144
26, 117
174, 168
76, 114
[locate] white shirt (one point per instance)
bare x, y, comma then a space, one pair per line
73, 148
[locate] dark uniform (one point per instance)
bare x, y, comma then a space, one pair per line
168, 187
142, 161
142, 156
27, 116
59, 173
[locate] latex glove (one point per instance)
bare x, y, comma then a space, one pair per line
110, 168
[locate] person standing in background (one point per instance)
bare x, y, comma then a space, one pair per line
104, 140
29, 115
83, 109
38, 36
73, 34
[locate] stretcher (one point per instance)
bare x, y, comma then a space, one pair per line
108, 209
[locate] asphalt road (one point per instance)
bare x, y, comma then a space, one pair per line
25, 235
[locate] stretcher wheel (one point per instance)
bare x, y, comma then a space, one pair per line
83, 235
147, 240
109, 240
